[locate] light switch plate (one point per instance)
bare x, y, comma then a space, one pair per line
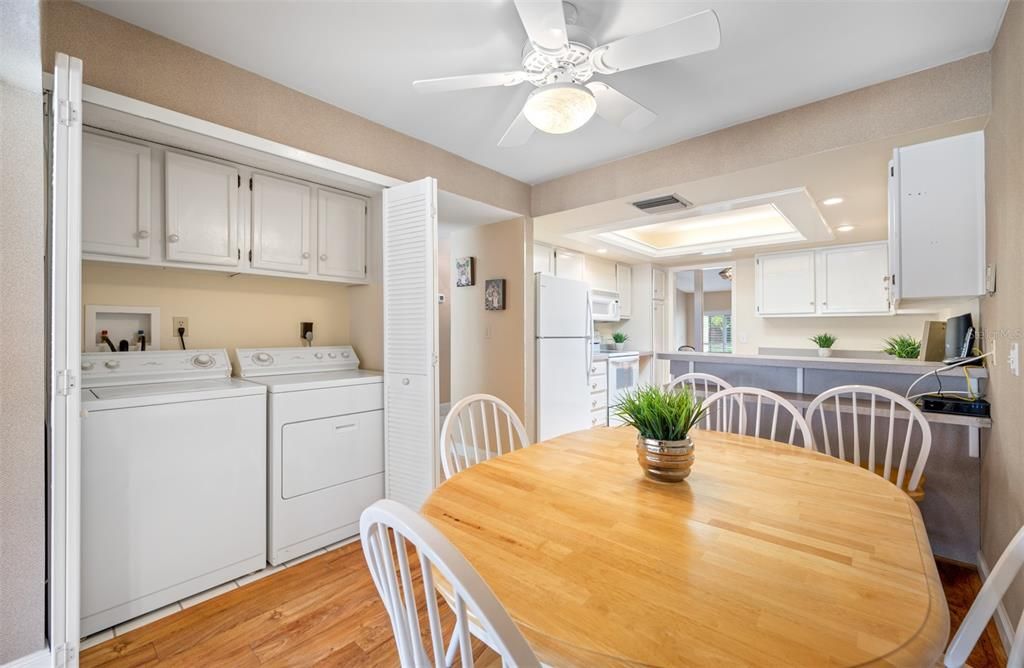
1014, 358
990, 279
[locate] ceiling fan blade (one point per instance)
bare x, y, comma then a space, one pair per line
685, 37
465, 81
544, 21
518, 133
617, 108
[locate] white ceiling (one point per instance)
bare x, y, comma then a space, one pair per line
363, 56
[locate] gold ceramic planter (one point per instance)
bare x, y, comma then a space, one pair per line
665, 461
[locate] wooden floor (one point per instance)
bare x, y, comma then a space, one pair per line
325, 612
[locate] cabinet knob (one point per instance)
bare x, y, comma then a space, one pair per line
173, 238
143, 234
305, 255
323, 257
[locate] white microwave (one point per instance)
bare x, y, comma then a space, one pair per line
604, 306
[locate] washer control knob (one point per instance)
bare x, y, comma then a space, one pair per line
345, 354
87, 366
319, 356
332, 355
263, 358
203, 361
112, 364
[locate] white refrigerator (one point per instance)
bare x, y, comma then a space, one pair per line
564, 356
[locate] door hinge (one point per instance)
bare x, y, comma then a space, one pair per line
892, 171
67, 113
66, 382
64, 655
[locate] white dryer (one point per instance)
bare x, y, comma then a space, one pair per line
173, 480
325, 435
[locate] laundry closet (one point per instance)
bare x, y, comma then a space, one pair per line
247, 310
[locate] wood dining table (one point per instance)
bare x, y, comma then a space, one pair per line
768, 555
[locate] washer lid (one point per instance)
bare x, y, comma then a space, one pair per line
148, 394
294, 382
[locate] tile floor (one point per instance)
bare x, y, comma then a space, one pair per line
150, 617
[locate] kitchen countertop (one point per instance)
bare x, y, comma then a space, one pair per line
916, 367
604, 354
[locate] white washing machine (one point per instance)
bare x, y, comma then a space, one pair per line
325, 436
173, 480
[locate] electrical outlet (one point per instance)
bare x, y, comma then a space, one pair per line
178, 323
304, 328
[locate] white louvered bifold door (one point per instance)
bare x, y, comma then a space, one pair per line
410, 341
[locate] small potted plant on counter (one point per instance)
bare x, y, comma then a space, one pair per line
903, 346
663, 420
619, 339
824, 343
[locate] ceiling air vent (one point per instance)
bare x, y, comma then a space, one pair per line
663, 203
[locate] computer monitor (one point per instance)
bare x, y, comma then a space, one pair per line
959, 338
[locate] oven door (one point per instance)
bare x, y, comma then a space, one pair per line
623, 376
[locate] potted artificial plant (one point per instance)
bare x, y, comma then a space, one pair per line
620, 338
903, 346
824, 343
663, 420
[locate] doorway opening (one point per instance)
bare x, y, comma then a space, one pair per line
703, 310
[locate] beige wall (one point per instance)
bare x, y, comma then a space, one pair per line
1003, 313
22, 389
126, 59
224, 311
488, 352
932, 97
751, 332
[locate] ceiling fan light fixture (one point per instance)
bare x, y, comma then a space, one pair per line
559, 108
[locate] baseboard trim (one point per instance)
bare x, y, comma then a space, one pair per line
40, 659
1003, 623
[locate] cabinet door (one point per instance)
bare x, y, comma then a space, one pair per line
785, 283
115, 197
201, 211
600, 274
280, 224
854, 279
341, 235
543, 259
568, 265
659, 325
624, 286
660, 284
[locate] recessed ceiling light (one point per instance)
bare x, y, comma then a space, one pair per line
845, 228
720, 251
602, 250
832, 201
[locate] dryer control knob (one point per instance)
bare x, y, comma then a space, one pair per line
112, 364
332, 355
203, 361
263, 358
345, 355
319, 356
87, 366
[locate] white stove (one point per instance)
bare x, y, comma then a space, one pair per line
173, 480
325, 435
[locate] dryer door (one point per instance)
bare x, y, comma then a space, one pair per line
317, 454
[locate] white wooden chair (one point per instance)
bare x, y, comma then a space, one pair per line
477, 428
731, 402
385, 529
702, 385
879, 403
999, 580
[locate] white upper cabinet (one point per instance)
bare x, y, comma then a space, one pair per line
785, 283
569, 264
543, 259
624, 286
660, 284
853, 279
600, 274
201, 211
341, 235
115, 197
937, 218
280, 224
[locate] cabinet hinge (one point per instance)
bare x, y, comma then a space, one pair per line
250, 255
892, 171
250, 183
239, 180
239, 253
66, 382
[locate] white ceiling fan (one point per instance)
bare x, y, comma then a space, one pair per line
561, 57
